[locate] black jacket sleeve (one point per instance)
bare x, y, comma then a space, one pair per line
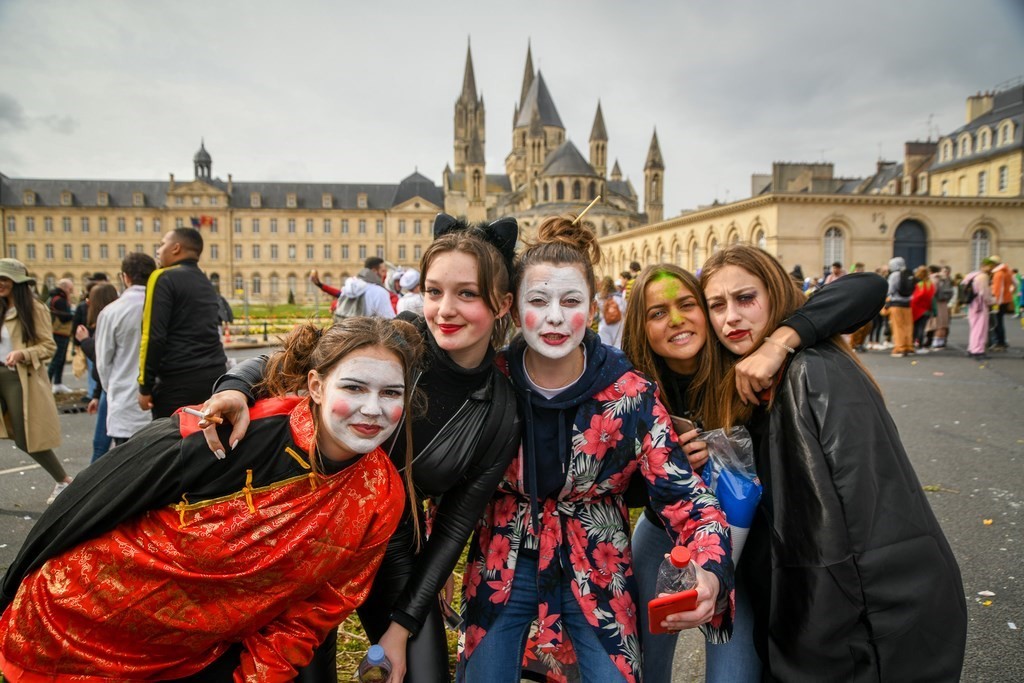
243, 377
841, 307
140, 475
460, 508
81, 314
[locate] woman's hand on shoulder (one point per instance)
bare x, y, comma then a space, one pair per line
395, 641
231, 406
707, 599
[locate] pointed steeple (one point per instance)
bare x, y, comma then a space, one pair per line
468, 79
539, 98
527, 75
598, 132
616, 171
654, 160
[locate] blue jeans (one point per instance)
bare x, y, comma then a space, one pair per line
735, 661
101, 442
91, 381
498, 657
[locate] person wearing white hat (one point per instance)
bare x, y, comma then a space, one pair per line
412, 299
26, 343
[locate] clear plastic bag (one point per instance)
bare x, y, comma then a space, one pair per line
730, 473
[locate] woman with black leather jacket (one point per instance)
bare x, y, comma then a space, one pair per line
463, 443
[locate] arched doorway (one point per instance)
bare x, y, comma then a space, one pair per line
911, 242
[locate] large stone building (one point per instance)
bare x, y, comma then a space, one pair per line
261, 239
949, 202
545, 172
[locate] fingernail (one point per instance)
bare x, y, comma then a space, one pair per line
220, 454
234, 444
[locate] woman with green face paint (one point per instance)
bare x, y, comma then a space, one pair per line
666, 338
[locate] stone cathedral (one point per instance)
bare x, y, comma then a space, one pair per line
545, 173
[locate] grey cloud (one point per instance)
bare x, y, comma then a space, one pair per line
11, 114
65, 125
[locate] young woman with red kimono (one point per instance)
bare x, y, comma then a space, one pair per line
553, 544
164, 562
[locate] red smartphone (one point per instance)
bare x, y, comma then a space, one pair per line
659, 608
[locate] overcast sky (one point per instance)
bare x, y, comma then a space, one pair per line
364, 92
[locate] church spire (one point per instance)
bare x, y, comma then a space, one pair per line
598, 131
469, 80
654, 171
599, 143
527, 75
654, 160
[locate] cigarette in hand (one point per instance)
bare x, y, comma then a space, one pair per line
203, 416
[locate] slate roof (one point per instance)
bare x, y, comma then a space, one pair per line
567, 160
272, 194
877, 182
1007, 104
539, 98
621, 187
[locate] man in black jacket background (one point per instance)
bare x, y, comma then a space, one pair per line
181, 353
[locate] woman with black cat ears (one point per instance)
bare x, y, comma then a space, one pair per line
463, 444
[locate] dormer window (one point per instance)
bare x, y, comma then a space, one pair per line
28, 198
984, 138
907, 185
922, 183
102, 199
965, 145
138, 199
254, 200
327, 201
361, 200
65, 198
1005, 132
947, 150
291, 201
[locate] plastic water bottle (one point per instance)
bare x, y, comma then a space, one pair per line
676, 573
375, 667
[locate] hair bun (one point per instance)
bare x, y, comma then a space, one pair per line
562, 230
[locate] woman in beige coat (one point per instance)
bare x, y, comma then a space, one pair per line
26, 343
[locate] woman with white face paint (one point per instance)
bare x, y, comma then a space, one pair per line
177, 564
553, 544
462, 444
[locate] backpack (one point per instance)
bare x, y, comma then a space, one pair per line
349, 307
967, 294
907, 284
58, 326
610, 311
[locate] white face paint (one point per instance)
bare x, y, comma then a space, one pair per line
361, 402
553, 307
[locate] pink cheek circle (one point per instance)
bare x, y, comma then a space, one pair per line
395, 415
530, 320
578, 321
340, 408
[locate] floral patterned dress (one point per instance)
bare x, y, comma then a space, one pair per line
582, 533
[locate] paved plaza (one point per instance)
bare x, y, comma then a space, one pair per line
961, 422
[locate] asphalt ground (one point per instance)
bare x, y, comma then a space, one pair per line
962, 424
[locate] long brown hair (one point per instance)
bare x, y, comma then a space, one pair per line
637, 346
309, 347
784, 299
493, 278
561, 242
100, 296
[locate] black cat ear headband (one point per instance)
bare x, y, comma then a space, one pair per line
501, 234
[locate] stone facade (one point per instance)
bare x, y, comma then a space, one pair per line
950, 202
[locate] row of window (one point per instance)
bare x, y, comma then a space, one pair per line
291, 200
84, 224
67, 198
256, 251
981, 141
545, 192
1003, 182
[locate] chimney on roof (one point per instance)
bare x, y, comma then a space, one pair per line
979, 105
170, 187
231, 184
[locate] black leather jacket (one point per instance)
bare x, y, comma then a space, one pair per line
849, 574
471, 445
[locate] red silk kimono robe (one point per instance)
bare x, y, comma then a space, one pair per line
257, 550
